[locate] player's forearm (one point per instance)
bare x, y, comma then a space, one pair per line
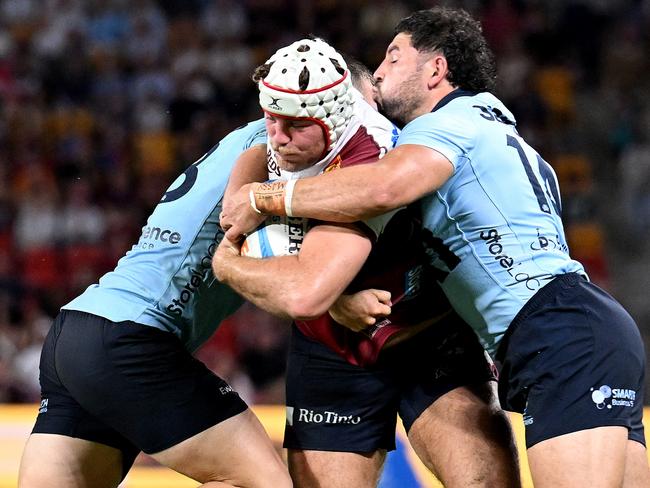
337, 196
359, 192
346, 195
249, 167
277, 285
243, 275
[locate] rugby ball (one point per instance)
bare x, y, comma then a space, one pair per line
276, 236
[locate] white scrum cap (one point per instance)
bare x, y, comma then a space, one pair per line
309, 79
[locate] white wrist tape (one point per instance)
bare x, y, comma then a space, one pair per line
288, 196
251, 196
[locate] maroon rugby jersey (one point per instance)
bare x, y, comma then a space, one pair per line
396, 263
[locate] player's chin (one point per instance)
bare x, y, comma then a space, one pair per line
290, 164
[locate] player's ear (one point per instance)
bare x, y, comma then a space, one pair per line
436, 69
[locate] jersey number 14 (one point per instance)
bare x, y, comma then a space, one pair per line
548, 178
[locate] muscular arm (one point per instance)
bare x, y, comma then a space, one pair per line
303, 286
250, 166
405, 174
355, 193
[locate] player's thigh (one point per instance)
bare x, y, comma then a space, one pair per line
236, 451
637, 471
449, 398
326, 469
59, 461
592, 457
466, 440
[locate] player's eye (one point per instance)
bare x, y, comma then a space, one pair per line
301, 125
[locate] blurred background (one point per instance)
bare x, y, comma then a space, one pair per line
104, 102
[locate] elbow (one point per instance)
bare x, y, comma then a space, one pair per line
386, 196
307, 303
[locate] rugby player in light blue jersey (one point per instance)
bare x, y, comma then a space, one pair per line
572, 358
117, 375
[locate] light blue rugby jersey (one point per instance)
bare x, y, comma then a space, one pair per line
166, 279
496, 236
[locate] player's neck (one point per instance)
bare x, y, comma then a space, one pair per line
432, 98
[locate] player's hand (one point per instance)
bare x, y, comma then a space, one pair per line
238, 217
226, 251
362, 309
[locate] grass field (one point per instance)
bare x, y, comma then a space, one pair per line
16, 422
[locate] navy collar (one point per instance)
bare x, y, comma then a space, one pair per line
451, 96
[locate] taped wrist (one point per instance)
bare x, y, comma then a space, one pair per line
268, 198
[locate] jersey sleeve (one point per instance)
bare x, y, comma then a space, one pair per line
447, 133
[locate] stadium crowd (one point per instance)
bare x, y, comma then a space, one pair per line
104, 102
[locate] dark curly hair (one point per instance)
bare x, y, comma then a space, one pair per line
459, 37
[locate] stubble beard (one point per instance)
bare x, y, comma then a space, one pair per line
292, 166
402, 105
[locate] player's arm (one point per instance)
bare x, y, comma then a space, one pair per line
350, 194
249, 167
404, 175
302, 286
360, 310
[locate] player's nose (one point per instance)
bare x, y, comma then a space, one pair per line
280, 134
379, 74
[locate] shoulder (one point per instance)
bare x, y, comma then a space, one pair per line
360, 149
233, 144
374, 137
246, 135
456, 120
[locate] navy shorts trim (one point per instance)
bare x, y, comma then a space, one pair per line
126, 385
333, 405
573, 359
